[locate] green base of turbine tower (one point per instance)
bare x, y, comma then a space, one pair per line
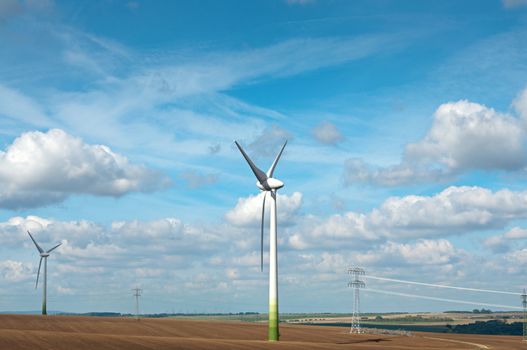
274, 333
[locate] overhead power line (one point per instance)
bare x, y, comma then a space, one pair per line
440, 285
442, 299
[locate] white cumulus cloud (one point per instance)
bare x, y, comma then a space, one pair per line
422, 252
248, 211
15, 271
464, 136
44, 168
453, 211
468, 135
504, 242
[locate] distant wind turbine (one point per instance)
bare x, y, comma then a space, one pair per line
43, 255
268, 184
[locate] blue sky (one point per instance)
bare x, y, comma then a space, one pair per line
406, 123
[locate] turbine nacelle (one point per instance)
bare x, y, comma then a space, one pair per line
270, 184
44, 255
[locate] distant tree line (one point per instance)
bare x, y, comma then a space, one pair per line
482, 311
495, 327
475, 311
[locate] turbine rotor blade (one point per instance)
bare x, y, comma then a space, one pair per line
36, 244
38, 273
260, 175
271, 169
262, 232
55, 247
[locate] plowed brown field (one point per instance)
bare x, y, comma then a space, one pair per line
102, 333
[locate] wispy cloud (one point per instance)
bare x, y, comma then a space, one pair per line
17, 106
9, 8
196, 180
300, 2
152, 100
511, 4
327, 133
12, 8
270, 140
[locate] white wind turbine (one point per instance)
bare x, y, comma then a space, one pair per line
43, 255
268, 184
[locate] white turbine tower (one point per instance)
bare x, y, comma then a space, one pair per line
43, 255
268, 184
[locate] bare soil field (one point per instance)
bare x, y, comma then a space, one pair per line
105, 333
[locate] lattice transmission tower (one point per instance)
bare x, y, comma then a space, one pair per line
137, 294
356, 284
524, 304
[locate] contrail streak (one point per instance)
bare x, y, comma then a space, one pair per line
440, 285
441, 299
